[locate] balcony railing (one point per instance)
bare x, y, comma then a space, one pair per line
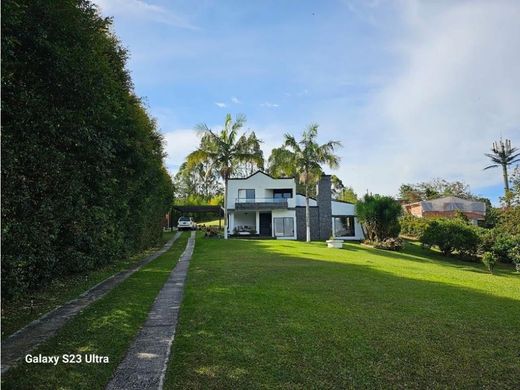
260, 203
261, 200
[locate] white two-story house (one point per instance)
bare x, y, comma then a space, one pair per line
260, 205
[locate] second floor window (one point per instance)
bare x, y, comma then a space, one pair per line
246, 194
282, 193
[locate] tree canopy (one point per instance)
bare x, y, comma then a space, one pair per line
379, 216
503, 155
304, 159
433, 189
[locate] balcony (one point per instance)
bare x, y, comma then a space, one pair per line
260, 203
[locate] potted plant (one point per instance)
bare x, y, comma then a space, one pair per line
333, 242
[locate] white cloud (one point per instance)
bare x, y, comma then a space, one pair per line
459, 90
178, 144
236, 100
221, 104
140, 10
269, 105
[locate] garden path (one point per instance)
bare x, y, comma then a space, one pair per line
144, 365
29, 337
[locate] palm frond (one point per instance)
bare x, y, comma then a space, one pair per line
290, 142
201, 129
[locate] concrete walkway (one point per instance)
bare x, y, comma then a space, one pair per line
144, 366
29, 337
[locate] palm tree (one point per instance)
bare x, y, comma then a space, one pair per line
304, 159
503, 155
226, 150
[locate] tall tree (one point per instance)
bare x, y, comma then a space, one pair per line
226, 150
515, 187
503, 155
336, 186
305, 157
348, 194
433, 189
256, 162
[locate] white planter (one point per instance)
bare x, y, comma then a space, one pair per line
335, 244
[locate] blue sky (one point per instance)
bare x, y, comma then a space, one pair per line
414, 90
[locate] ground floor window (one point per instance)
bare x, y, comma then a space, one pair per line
284, 227
344, 226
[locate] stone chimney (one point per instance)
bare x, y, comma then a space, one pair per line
324, 201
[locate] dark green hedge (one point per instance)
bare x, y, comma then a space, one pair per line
83, 180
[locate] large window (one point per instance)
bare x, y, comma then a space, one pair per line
284, 227
344, 226
246, 194
282, 193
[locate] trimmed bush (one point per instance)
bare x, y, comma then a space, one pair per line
83, 180
450, 236
413, 226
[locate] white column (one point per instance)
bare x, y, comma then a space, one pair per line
231, 216
258, 222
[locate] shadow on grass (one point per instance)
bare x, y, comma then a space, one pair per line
285, 321
414, 252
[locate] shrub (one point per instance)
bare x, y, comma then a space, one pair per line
489, 260
509, 221
515, 256
379, 216
451, 235
502, 245
391, 244
413, 226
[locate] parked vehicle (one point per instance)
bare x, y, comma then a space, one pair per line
186, 223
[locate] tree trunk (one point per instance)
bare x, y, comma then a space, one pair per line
307, 215
225, 208
506, 185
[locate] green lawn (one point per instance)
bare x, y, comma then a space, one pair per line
18, 313
280, 314
106, 327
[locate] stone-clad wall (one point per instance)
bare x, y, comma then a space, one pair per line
301, 234
320, 215
324, 201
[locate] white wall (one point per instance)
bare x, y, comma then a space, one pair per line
245, 219
263, 186
341, 208
345, 209
300, 201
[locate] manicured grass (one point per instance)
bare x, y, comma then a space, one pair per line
106, 328
291, 315
18, 313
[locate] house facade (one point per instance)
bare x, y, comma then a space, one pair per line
260, 205
448, 207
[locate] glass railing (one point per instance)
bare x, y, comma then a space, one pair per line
261, 200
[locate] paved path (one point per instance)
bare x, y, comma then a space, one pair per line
144, 366
29, 337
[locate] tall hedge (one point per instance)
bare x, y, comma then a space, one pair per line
83, 180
